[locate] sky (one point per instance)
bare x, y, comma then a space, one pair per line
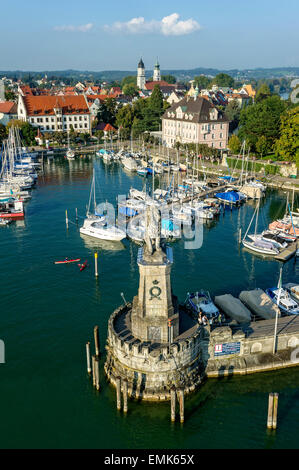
100, 35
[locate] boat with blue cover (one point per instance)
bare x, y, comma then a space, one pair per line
230, 197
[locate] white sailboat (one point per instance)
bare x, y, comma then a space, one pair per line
257, 243
96, 225
70, 154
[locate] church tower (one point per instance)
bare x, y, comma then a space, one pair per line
157, 73
141, 75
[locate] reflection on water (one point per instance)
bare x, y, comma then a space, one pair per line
95, 244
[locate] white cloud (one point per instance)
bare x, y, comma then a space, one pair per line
84, 28
169, 26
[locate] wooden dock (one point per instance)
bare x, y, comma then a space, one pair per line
288, 252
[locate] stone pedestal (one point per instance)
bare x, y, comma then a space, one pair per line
154, 310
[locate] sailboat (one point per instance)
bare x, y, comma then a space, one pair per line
96, 225
257, 243
70, 154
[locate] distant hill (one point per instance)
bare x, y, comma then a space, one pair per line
180, 74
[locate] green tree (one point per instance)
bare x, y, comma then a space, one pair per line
223, 79
10, 95
130, 90
130, 79
287, 146
262, 93
262, 119
3, 133
234, 144
169, 79
262, 145
107, 111
233, 113
28, 132
202, 82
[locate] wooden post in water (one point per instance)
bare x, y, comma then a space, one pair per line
125, 395
66, 220
182, 405
96, 264
93, 371
88, 358
76, 214
172, 403
270, 411
240, 235
97, 373
275, 407
96, 340
118, 393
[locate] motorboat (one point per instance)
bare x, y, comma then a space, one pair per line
102, 230
283, 300
293, 290
201, 302
129, 164
11, 208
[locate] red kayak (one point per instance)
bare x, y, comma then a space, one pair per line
83, 266
67, 261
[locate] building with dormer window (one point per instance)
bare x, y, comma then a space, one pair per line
195, 120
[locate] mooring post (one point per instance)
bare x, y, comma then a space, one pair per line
172, 403
93, 371
88, 358
97, 373
275, 407
76, 214
66, 220
125, 395
240, 235
118, 393
96, 340
270, 411
182, 405
96, 264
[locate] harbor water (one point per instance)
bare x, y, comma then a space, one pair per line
48, 313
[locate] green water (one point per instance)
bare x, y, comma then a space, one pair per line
48, 313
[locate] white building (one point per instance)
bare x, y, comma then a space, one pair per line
55, 113
157, 73
141, 75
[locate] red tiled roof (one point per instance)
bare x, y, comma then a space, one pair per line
8, 107
108, 127
101, 97
151, 85
26, 90
44, 105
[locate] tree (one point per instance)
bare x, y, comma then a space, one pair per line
130, 79
202, 81
262, 93
3, 133
262, 145
262, 119
28, 132
169, 79
107, 111
223, 79
10, 95
234, 144
233, 113
130, 90
287, 146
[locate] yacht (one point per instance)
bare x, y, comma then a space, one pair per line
283, 300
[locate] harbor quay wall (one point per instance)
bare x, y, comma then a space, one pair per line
151, 369
225, 352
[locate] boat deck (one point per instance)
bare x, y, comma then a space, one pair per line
288, 252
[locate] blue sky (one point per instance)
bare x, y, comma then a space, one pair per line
101, 35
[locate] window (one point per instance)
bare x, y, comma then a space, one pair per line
221, 135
